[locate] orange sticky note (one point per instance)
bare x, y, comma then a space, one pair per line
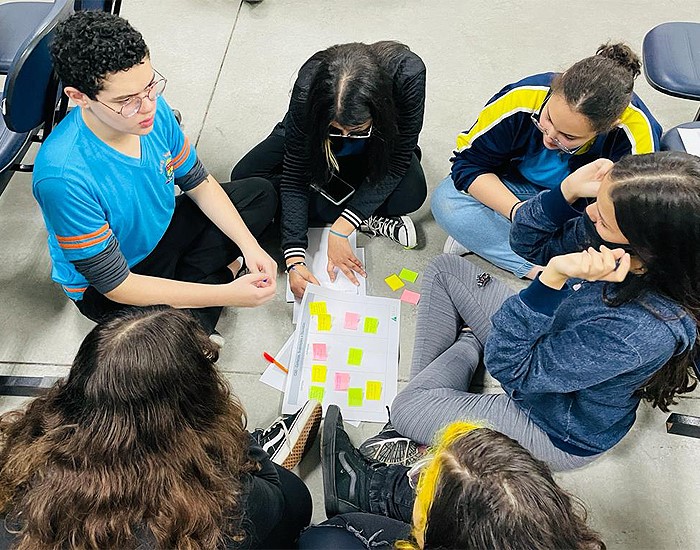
324, 321
318, 373
393, 281
373, 390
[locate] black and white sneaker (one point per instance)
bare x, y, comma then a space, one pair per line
399, 229
290, 436
390, 447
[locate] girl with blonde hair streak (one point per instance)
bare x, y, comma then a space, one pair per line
477, 489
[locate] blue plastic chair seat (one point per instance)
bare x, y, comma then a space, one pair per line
18, 20
671, 140
11, 144
671, 57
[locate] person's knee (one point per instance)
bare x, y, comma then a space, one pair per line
260, 192
441, 264
406, 408
441, 201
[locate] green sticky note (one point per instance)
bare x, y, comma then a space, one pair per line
355, 357
355, 397
316, 392
316, 308
324, 321
318, 373
371, 325
373, 390
408, 275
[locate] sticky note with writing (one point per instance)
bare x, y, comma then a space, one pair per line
342, 381
355, 357
320, 352
355, 397
408, 275
371, 325
352, 320
316, 392
317, 308
318, 373
373, 390
324, 321
393, 281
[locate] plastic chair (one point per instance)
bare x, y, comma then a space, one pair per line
671, 61
18, 20
30, 95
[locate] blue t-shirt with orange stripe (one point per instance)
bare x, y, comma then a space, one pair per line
91, 194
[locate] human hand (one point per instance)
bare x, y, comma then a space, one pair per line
591, 265
299, 277
259, 261
340, 256
251, 290
584, 182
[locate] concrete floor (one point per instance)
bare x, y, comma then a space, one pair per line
231, 67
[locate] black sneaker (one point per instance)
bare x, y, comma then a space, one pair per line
289, 437
390, 447
399, 229
346, 473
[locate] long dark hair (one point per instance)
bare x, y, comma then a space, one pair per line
142, 437
657, 199
352, 84
600, 86
487, 491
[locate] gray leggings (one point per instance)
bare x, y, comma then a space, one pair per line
445, 359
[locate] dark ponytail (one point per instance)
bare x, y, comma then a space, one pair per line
600, 87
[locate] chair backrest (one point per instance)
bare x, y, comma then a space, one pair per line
28, 83
110, 6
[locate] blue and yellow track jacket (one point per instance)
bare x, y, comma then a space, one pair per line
504, 135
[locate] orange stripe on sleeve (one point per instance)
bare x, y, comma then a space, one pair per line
75, 290
82, 237
184, 152
87, 244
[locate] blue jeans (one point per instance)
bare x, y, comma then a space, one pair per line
479, 228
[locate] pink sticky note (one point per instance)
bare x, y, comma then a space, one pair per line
410, 297
320, 352
342, 381
352, 320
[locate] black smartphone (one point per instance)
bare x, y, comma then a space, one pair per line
337, 191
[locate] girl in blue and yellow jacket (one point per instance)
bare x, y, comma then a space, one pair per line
529, 137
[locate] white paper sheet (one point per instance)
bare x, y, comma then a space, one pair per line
317, 261
691, 140
380, 354
273, 375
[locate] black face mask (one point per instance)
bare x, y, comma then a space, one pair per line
595, 239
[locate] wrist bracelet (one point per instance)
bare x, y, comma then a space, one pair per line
292, 266
333, 232
512, 208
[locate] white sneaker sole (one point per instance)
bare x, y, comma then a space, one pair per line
411, 233
453, 247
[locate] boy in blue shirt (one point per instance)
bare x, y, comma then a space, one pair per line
105, 177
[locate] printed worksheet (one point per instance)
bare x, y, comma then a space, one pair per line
345, 352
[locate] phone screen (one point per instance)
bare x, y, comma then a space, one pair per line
337, 191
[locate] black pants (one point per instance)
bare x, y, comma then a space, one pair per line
265, 160
292, 512
354, 531
194, 250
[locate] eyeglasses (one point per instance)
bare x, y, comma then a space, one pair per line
535, 117
132, 105
358, 134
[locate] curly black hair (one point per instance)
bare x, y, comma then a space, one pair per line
89, 45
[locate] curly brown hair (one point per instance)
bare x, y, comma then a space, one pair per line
142, 440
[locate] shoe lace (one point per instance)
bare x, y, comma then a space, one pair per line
285, 430
381, 225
